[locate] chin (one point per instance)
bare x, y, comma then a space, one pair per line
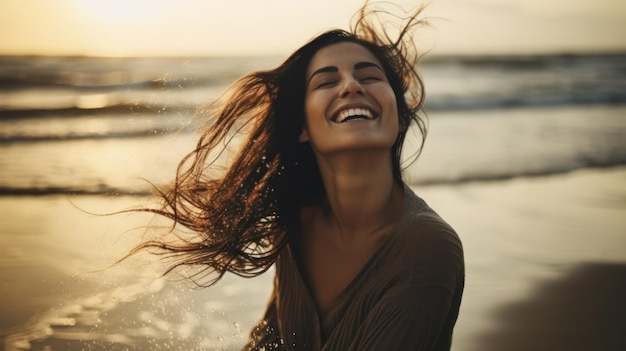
360, 146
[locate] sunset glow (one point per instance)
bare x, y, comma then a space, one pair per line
121, 12
244, 27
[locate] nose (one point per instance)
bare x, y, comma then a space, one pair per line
351, 87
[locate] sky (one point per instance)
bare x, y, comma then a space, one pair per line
277, 27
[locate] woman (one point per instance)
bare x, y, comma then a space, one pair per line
362, 263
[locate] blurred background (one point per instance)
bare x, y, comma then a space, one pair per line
525, 157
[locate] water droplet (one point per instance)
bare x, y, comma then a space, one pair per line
237, 328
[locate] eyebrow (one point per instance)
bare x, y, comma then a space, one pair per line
333, 69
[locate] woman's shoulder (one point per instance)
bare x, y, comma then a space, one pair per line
422, 232
422, 250
418, 214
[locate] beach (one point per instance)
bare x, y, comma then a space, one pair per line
545, 256
525, 158
546, 261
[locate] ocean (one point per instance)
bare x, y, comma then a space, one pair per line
80, 132
70, 125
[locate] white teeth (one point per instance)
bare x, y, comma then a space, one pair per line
344, 115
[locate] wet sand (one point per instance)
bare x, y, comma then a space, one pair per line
539, 250
546, 270
582, 310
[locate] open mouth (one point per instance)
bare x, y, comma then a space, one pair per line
353, 114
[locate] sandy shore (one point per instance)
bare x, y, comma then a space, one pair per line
546, 261
546, 270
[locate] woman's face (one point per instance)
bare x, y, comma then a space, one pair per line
349, 104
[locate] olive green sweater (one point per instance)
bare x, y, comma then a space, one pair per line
406, 297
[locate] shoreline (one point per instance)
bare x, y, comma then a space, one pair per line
528, 242
421, 183
582, 309
522, 237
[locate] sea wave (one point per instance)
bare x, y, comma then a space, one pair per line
154, 132
527, 99
426, 180
108, 73
36, 87
74, 191
492, 119
122, 109
97, 127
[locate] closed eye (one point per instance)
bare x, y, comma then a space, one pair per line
325, 84
371, 79
370, 74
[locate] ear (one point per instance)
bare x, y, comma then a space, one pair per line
304, 136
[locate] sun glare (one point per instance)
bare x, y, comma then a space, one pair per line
122, 12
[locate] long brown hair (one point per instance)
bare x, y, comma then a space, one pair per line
243, 218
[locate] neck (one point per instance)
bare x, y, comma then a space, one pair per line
362, 196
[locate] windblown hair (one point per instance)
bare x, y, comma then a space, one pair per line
245, 217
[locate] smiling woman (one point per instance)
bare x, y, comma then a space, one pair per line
316, 190
366, 115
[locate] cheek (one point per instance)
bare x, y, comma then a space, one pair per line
314, 110
309, 123
392, 105
309, 108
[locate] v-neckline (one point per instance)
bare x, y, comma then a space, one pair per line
329, 311
336, 302
323, 317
